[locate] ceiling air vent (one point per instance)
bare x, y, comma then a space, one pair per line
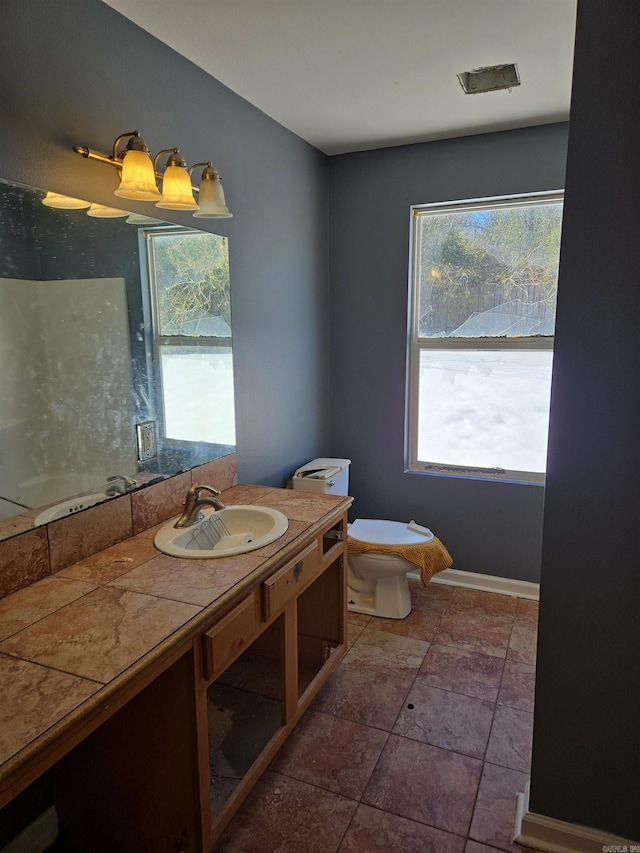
489, 79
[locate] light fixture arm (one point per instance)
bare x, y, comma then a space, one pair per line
84, 151
175, 158
208, 173
135, 143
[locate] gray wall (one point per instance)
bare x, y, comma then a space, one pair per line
586, 757
75, 72
492, 528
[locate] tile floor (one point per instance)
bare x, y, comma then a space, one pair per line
420, 741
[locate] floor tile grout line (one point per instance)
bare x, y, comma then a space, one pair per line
456, 692
463, 838
346, 719
378, 728
375, 766
346, 830
465, 649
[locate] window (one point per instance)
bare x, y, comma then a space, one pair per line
190, 300
483, 286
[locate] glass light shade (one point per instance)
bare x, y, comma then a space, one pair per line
141, 219
211, 201
101, 211
138, 180
176, 190
64, 202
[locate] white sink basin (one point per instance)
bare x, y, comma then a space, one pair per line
73, 505
223, 532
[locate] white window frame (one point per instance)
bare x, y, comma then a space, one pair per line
417, 344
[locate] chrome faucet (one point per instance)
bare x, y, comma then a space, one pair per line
125, 484
193, 504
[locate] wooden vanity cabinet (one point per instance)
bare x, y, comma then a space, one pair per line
189, 736
262, 664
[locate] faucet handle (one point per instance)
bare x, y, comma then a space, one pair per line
195, 490
193, 503
121, 485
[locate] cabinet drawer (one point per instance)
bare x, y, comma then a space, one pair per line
289, 580
231, 635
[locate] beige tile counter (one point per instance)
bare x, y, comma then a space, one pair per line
74, 647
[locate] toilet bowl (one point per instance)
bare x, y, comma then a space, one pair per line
377, 582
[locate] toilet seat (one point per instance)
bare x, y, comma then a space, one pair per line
376, 531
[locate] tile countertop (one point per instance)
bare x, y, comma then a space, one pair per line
72, 644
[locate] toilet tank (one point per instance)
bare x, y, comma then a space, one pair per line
326, 475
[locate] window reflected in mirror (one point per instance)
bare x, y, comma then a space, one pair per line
188, 274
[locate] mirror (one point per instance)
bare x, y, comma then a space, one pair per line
115, 353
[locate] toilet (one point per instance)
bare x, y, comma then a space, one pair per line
377, 582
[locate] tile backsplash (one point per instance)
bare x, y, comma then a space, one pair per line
35, 553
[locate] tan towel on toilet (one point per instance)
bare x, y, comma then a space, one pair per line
429, 557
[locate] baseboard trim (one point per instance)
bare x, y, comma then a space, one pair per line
550, 835
35, 838
485, 583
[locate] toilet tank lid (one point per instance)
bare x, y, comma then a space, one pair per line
322, 468
376, 531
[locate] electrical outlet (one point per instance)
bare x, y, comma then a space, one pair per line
146, 438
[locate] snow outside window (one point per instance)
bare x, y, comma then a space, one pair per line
484, 279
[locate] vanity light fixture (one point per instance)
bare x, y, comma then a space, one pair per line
141, 219
139, 176
211, 202
177, 193
101, 211
64, 202
137, 180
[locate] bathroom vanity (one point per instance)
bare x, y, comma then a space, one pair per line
155, 698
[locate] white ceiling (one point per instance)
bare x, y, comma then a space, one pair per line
349, 75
